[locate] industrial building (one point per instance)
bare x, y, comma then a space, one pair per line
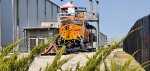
17, 14
102, 39
36, 35
139, 40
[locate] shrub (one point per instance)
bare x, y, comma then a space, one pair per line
13, 63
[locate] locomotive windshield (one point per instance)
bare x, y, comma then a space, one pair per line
65, 22
77, 22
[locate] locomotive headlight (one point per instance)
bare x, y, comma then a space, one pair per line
70, 27
75, 36
63, 36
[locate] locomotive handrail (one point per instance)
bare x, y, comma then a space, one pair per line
66, 14
87, 15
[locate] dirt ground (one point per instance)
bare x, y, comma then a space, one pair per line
118, 55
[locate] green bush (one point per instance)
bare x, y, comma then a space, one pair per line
13, 63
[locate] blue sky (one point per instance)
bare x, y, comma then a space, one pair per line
117, 16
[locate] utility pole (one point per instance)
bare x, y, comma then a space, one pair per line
58, 15
98, 29
60, 5
90, 6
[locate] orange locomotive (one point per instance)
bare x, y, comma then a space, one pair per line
72, 28
75, 32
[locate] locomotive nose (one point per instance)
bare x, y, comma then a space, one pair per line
71, 32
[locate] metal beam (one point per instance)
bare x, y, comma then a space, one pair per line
15, 22
98, 30
0, 28
28, 13
90, 6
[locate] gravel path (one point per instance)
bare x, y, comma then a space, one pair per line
42, 61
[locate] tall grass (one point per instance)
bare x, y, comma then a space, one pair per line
13, 63
57, 63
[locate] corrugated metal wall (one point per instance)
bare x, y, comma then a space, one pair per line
0, 27
139, 40
102, 39
6, 20
24, 13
